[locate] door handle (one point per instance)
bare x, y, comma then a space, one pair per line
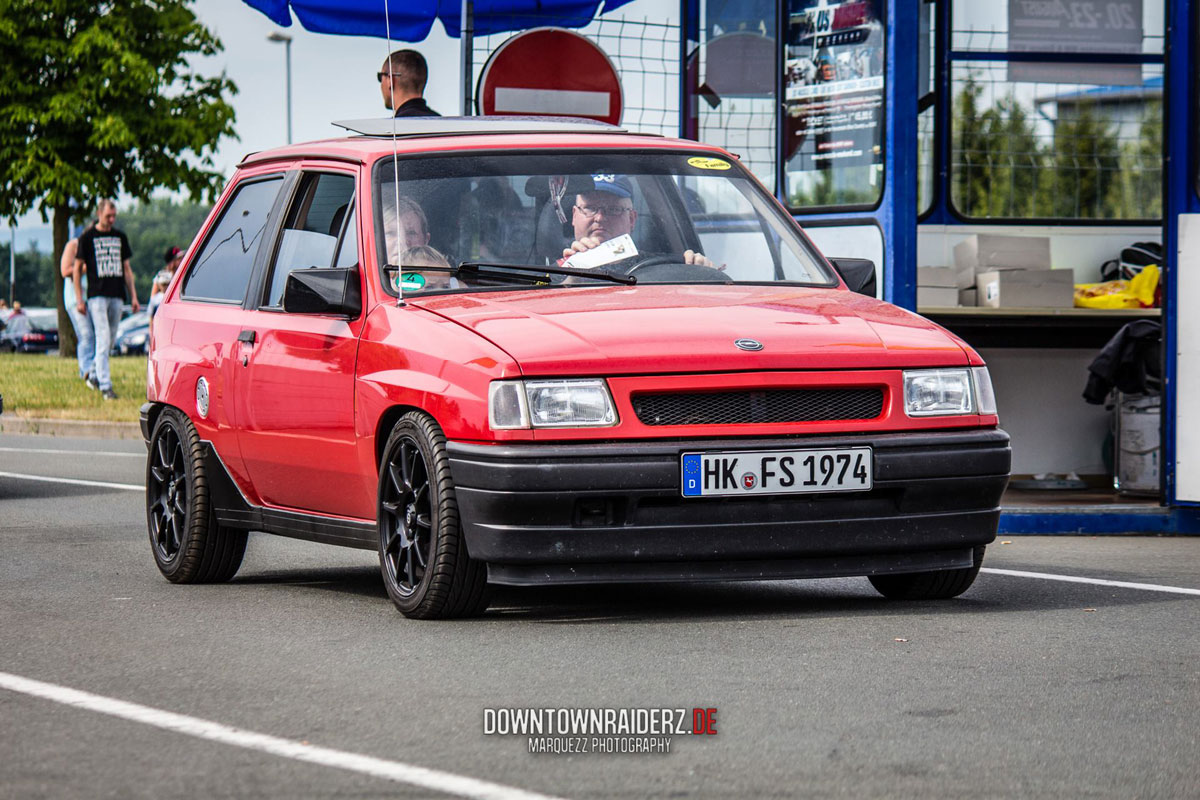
247, 337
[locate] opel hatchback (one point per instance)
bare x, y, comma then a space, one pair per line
524, 352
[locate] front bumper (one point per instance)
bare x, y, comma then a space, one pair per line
597, 513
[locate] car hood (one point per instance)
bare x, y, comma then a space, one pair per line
616, 330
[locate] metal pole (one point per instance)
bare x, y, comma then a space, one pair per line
466, 32
276, 36
12, 262
287, 49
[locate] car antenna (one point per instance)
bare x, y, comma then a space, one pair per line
387, 32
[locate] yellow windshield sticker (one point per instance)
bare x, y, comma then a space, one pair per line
702, 162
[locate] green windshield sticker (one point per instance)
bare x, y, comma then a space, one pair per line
412, 282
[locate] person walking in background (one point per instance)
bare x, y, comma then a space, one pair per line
402, 82
158, 288
104, 252
85, 333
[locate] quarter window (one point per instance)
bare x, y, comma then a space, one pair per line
221, 272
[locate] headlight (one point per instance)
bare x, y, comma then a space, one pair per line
938, 392
136, 341
550, 404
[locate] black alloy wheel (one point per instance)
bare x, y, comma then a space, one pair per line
189, 545
422, 554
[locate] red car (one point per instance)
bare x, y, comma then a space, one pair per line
527, 352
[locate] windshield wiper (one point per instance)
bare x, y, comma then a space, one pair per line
478, 266
579, 273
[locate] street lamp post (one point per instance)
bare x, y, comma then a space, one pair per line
287, 48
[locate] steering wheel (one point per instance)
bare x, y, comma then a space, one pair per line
673, 268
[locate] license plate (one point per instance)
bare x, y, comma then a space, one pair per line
839, 469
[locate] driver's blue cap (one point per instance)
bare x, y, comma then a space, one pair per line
617, 185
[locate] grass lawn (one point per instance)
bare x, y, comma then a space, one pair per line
50, 387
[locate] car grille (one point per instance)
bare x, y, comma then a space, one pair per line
773, 405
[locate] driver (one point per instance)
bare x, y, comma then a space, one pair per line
607, 212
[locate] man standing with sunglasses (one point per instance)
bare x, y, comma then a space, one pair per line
402, 83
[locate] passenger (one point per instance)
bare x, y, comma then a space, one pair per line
607, 212
405, 229
416, 279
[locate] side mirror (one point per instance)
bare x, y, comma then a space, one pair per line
858, 273
323, 291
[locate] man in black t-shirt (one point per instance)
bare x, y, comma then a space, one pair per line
104, 253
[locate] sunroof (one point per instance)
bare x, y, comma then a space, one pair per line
443, 126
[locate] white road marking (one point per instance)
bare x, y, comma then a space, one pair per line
422, 777
1146, 587
105, 453
101, 484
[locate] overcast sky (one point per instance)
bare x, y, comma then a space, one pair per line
333, 77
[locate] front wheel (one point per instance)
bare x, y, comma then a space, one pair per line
939, 585
422, 554
188, 544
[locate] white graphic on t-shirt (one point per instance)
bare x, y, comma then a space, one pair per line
108, 257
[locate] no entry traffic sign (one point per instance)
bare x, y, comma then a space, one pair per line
550, 71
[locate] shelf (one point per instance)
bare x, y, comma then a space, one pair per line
1087, 328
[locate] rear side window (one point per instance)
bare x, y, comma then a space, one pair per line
314, 223
222, 269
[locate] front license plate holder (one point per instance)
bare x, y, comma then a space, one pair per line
731, 473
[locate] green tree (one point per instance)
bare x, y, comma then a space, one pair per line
98, 99
1085, 161
154, 226
34, 277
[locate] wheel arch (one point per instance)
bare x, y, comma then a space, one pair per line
387, 421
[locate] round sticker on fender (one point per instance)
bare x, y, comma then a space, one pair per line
700, 162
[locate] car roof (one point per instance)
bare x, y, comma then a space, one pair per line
464, 134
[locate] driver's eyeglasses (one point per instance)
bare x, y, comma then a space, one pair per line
608, 211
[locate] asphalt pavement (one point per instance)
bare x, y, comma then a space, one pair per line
299, 679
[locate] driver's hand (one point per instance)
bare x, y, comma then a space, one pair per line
580, 246
699, 259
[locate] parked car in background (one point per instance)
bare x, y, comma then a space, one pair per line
396, 344
132, 335
33, 331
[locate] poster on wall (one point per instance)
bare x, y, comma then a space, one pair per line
834, 85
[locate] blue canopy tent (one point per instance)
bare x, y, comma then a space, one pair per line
411, 20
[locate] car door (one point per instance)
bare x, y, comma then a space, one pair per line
198, 329
296, 382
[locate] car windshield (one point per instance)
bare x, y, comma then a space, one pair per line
453, 223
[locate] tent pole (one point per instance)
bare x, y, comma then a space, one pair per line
466, 38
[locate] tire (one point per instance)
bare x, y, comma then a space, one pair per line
422, 554
939, 585
188, 544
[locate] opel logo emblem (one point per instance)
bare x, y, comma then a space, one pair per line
748, 344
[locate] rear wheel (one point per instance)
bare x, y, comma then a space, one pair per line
188, 544
939, 585
422, 553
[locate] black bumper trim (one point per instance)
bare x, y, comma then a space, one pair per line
619, 505
669, 571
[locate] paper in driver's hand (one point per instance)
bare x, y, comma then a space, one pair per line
603, 253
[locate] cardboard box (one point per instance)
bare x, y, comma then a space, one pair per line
936, 296
1026, 288
968, 297
985, 252
946, 277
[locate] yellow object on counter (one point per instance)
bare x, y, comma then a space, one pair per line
1136, 293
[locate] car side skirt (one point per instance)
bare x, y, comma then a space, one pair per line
234, 510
